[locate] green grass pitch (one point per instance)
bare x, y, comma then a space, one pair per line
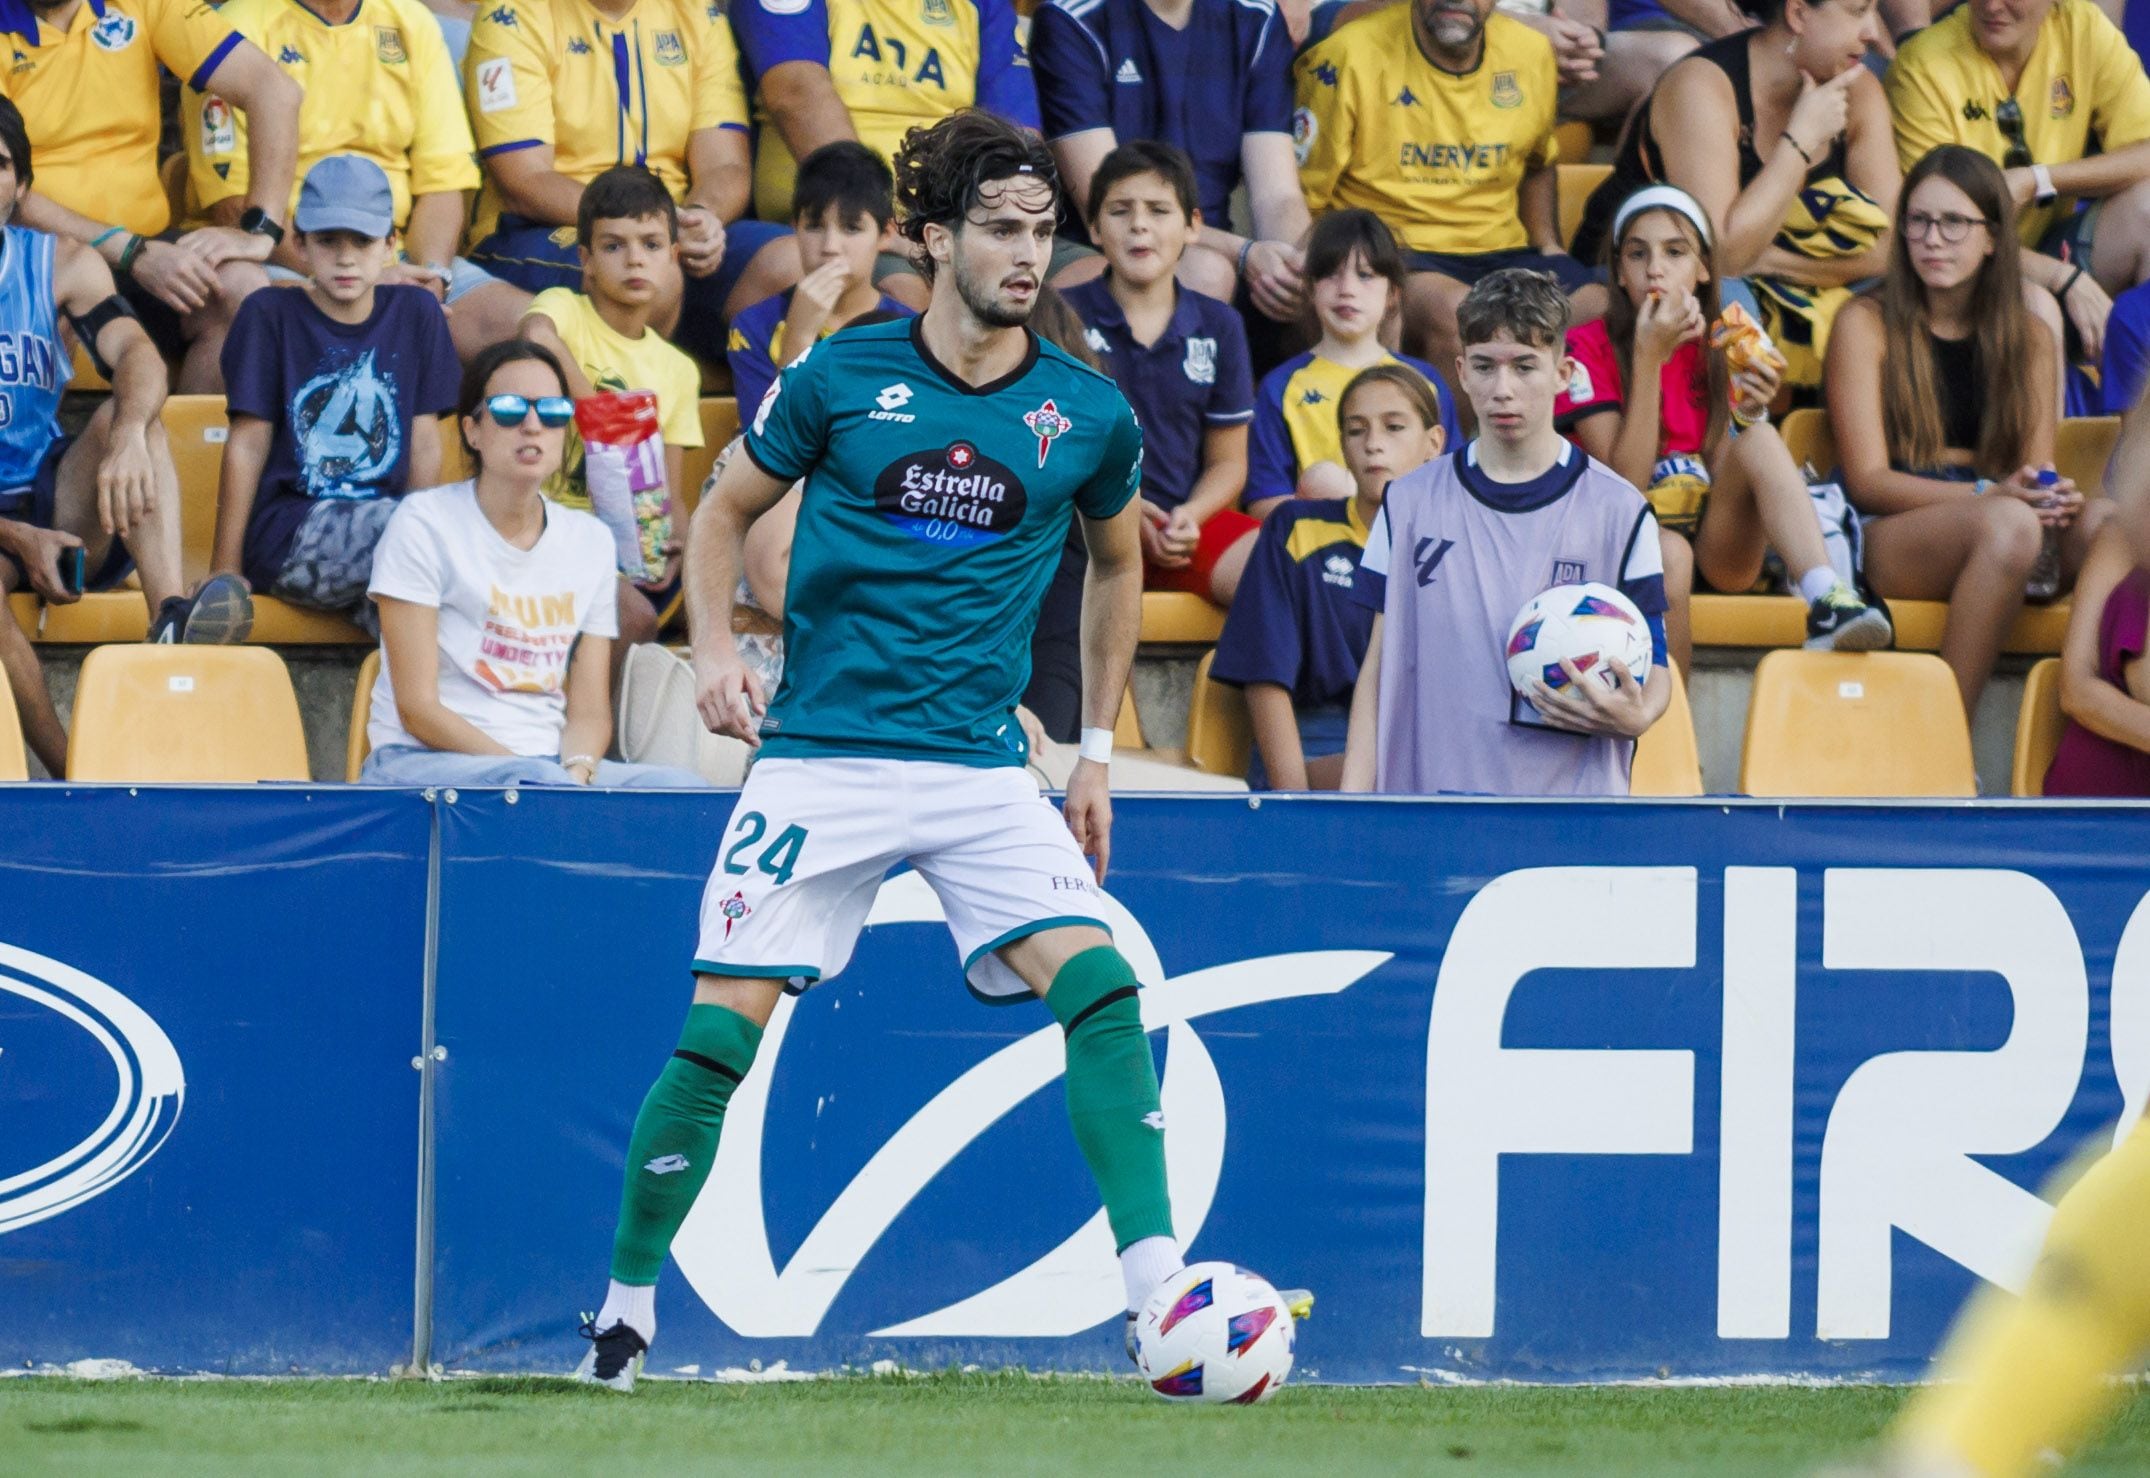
999, 1424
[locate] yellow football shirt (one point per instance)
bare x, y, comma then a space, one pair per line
600, 92
89, 98
380, 86
896, 65
1436, 155
2082, 79
614, 362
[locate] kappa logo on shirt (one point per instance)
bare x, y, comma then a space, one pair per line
290, 56
1201, 362
1097, 341
892, 402
576, 46
504, 16
114, 33
1313, 396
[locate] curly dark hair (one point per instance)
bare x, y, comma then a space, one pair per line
942, 172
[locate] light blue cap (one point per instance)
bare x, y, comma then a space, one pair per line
347, 193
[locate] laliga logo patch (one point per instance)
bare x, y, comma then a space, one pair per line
724, 1248
145, 1106
1047, 424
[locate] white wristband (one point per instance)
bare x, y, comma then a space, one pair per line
2043, 192
1096, 746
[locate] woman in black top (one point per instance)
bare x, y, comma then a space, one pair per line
1784, 137
1940, 395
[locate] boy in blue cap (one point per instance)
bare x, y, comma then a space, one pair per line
335, 391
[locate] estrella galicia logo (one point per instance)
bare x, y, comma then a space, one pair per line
956, 496
114, 1140
725, 1248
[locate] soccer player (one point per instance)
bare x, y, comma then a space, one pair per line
1511, 513
944, 459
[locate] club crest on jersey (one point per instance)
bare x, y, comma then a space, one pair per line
2063, 98
1201, 364
1505, 92
388, 46
114, 33
937, 13
1048, 425
671, 51
735, 910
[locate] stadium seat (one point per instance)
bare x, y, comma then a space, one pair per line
1575, 139
85, 377
1174, 617
355, 745
14, 762
196, 427
187, 715
1572, 186
1856, 724
455, 463
277, 624
1808, 438
1220, 736
1667, 760
1127, 728
1781, 621
2082, 445
172, 174
2038, 728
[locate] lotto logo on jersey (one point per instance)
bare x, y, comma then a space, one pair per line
956, 496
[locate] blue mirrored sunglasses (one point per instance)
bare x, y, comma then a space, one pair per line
509, 410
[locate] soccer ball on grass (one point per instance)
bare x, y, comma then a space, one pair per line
1214, 1333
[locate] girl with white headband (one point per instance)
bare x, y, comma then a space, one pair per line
1649, 397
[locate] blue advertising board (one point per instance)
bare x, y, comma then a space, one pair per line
1556, 1091
209, 1005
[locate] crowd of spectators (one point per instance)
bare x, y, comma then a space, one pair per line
1273, 212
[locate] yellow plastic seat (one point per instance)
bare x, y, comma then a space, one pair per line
1127, 728
1781, 621
14, 759
2082, 445
1668, 762
99, 617
1175, 617
455, 463
1572, 184
1856, 724
720, 423
186, 715
2039, 723
197, 428
1808, 437
277, 624
1220, 735
355, 745
1575, 139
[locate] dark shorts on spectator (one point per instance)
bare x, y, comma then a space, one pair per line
37, 505
1572, 275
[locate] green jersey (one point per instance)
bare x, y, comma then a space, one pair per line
933, 519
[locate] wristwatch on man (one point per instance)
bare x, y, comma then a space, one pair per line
2042, 191
256, 222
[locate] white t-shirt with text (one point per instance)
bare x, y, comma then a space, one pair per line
508, 617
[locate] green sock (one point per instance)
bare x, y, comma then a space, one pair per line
1112, 1091
675, 1138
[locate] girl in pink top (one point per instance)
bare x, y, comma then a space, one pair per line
2104, 682
1650, 398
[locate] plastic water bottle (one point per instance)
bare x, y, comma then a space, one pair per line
2044, 583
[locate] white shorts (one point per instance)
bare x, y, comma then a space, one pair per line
811, 840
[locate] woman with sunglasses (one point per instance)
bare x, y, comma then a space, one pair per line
2051, 91
1783, 136
1939, 394
497, 608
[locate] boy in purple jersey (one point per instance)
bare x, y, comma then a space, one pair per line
1475, 535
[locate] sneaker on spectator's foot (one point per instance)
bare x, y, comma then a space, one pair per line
219, 614
1841, 622
614, 1358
